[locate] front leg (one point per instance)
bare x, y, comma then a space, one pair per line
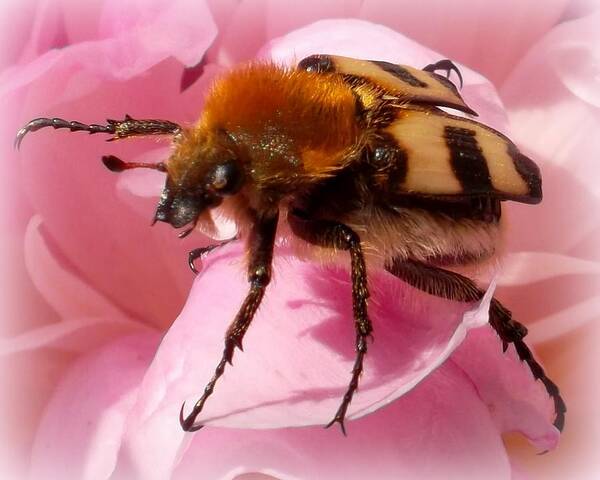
453, 286
260, 249
331, 234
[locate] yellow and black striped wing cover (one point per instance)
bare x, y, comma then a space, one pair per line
371, 80
442, 155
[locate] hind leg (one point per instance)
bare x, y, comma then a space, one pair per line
445, 66
453, 286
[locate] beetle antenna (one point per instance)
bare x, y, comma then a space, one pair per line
129, 127
115, 164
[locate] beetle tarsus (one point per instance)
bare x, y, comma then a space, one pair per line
198, 253
187, 423
340, 420
445, 66
56, 123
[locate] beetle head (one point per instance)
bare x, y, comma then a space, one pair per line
202, 170
199, 175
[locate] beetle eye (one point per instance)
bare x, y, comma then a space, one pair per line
226, 178
220, 180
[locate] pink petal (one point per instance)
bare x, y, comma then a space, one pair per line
575, 358
537, 270
554, 119
81, 20
490, 37
99, 209
128, 38
87, 319
576, 59
335, 37
561, 323
516, 401
156, 31
556, 115
471, 32
81, 431
580, 8
142, 33
53, 279
553, 116
16, 23
33, 28
151, 262
563, 313
299, 388
246, 26
521, 268
441, 430
406, 351
125, 249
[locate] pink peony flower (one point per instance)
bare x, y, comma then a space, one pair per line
109, 332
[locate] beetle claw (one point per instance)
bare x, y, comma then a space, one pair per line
187, 423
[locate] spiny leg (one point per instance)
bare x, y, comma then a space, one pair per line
453, 286
336, 235
129, 127
198, 253
260, 247
446, 66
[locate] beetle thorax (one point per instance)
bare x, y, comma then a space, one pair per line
282, 118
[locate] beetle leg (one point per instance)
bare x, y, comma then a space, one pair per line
198, 253
453, 286
336, 235
446, 66
260, 247
128, 127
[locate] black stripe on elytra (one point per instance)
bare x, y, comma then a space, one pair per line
529, 172
467, 160
317, 64
400, 73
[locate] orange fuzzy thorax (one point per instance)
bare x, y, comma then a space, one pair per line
307, 120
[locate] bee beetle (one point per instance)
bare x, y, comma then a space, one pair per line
357, 156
